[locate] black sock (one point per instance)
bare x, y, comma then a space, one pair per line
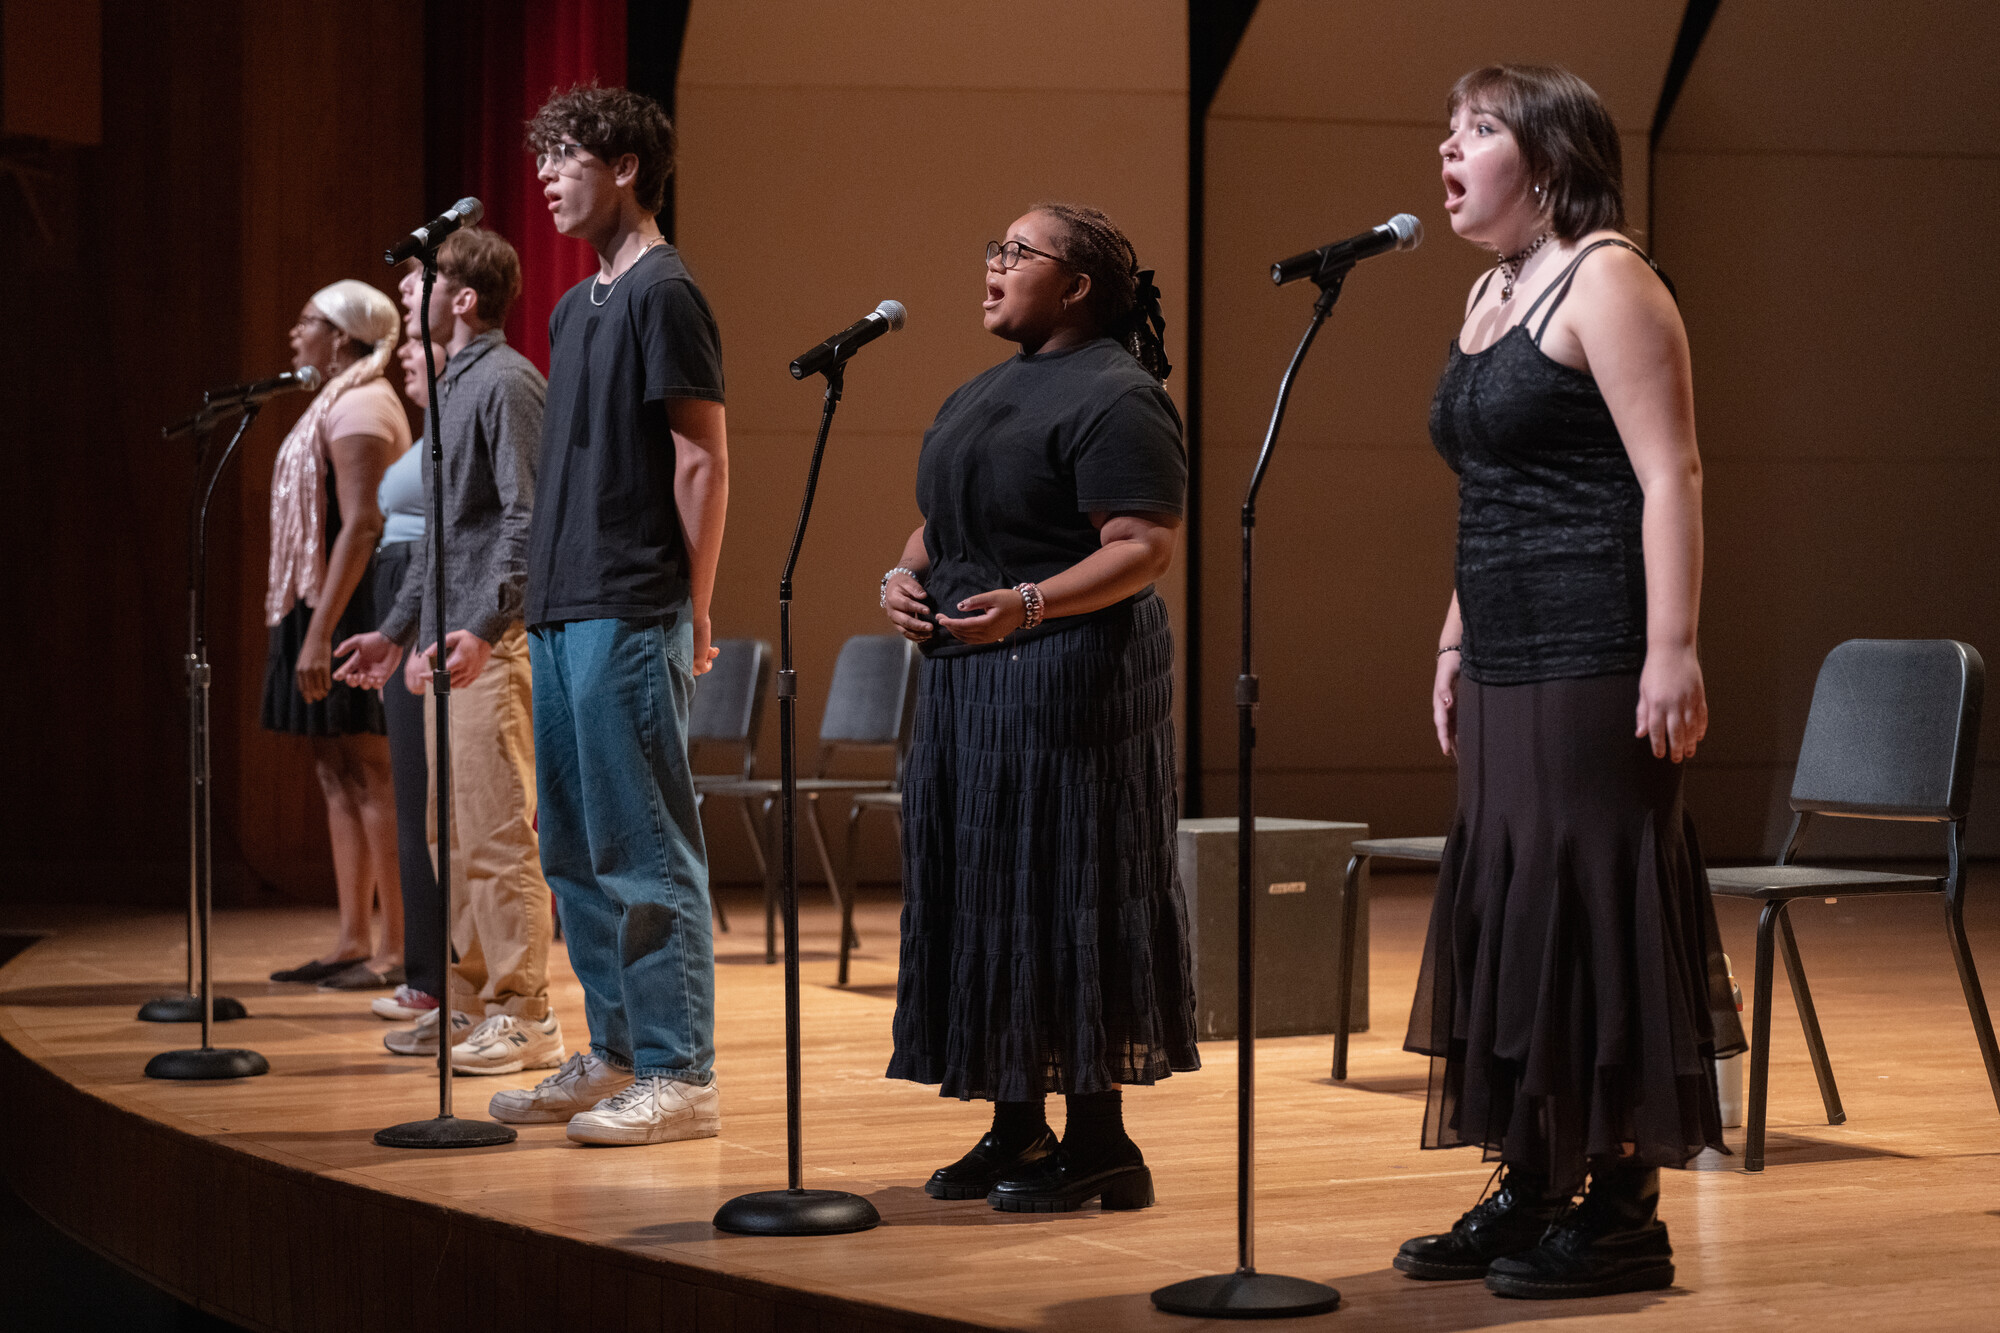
1018, 1124
1096, 1122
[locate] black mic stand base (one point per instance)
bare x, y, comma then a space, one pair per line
797, 1213
1247, 1296
187, 1009
445, 1131
208, 1062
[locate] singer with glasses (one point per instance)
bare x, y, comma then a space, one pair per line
1044, 943
633, 481
1572, 994
325, 521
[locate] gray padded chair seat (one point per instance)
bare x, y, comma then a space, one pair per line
1402, 849
1766, 882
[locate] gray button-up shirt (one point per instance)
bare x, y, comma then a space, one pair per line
490, 413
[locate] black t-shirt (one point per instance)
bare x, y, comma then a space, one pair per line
1020, 456
606, 541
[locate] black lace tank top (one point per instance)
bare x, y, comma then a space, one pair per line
1551, 573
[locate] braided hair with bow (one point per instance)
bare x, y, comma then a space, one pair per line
1122, 296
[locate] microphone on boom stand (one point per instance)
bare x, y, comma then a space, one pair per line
465, 213
796, 1210
1402, 232
220, 402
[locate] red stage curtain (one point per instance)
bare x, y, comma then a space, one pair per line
491, 64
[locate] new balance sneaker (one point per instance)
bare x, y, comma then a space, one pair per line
506, 1044
423, 1038
583, 1081
652, 1110
405, 1005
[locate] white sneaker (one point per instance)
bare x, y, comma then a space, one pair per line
423, 1038
404, 1005
653, 1110
583, 1081
506, 1044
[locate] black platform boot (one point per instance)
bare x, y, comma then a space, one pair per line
1020, 1137
1611, 1242
1095, 1161
1512, 1219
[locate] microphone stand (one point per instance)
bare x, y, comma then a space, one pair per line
443, 1130
1247, 1293
794, 1210
201, 1003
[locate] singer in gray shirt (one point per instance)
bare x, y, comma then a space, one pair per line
488, 402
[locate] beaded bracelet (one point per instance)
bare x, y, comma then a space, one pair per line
1449, 648
1031, 602
883, 601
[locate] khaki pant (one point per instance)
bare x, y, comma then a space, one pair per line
500, 915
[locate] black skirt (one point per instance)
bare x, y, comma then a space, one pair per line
1045, 940
1572, 995
346, 711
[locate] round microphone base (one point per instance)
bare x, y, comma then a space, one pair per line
445, 1131
1247, 1296
797, 1213
187, 1009
209, 1062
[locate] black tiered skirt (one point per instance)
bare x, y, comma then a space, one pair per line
1572, 995
1045, 943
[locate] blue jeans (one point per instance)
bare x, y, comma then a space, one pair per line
621, 837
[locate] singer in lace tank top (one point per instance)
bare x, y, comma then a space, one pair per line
1572, 996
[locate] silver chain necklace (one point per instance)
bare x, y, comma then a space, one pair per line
650, 245
1510, 266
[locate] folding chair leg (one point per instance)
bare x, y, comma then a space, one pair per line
1975, 998
771, 864
854, 875
714, 902
1795, 973
840, 897
1760, 1038
1350, 912
756, 838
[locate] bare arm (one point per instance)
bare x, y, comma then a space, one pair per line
701, 493
1444, 682
903, 596
1133, 551
358, 464
1631, 334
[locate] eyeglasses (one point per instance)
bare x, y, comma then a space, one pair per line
312, 317
1009, 254
566, 159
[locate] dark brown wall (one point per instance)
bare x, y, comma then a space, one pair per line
250, 154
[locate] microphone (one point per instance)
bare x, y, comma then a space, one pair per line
835, 350
465, 213
256, 391
1402, 232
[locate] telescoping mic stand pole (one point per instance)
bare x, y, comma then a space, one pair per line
206, 1062
443, 1130
795, 1210
1247, 1293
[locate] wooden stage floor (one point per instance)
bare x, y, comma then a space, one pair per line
267, 1202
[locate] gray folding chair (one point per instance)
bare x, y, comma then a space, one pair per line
728, 708
1893, 732
869, 706
1429, 851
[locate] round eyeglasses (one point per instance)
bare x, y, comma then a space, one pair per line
1009, 254
566, 159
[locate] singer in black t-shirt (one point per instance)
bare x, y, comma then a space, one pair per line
1044, 931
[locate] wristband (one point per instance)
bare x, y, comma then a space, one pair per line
899, 569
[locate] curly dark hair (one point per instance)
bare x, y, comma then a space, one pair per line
1123, 299
1567, 138
612, 122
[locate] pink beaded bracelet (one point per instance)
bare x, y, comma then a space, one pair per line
1031, 601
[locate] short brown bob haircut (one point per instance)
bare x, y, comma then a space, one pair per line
1567, 138
484, 262
612, 122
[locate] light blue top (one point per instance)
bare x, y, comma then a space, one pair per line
401, 498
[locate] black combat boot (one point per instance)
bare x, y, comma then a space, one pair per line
1611, 1242
1512, 1219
